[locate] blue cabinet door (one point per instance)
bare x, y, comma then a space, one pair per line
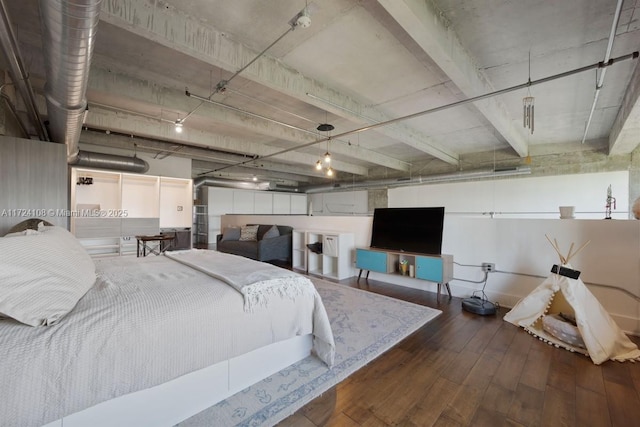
371, 260
429, 268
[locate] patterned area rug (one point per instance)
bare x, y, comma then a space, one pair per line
364, 324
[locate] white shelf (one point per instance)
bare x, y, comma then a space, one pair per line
335, 260
126, 205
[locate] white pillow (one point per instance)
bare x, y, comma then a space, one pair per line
43, 275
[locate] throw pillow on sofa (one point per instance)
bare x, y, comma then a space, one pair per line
231, 233
272, 232
249, 233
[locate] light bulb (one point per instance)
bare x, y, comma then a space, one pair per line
255, 178
319, 165
327, 157
178, 126
329, 172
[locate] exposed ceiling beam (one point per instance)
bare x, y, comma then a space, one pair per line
192, 37
175, 102
432, 33
625, 132
102, 118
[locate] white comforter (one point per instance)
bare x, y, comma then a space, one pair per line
145, 321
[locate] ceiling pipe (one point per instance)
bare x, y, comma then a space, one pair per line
68, 33
18, 72
110, 161
607, 55
431, 179
207, 181
69, 30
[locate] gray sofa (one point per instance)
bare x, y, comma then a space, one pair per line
261, 249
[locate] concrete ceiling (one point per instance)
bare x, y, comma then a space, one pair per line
360, 63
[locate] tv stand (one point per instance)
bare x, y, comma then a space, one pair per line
432, 268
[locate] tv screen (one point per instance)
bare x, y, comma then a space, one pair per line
408, 229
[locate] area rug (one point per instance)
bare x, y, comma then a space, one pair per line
364, 324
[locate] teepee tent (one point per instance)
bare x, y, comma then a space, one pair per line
550, 310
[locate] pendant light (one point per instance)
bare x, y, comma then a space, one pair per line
326, 159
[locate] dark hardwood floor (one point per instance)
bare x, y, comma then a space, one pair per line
462, 369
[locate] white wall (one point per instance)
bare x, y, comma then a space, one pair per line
514, 238
340, 203
534, 197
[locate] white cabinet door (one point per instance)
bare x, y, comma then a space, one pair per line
243, 202
281, 204
299, 204
176, 203
220, 201
263, 203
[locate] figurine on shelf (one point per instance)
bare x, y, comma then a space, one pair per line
611, 202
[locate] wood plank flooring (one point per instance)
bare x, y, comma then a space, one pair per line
462, 369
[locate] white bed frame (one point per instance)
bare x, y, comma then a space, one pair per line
172, 402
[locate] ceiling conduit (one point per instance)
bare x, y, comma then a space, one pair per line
68, 32
18, 71
607, 56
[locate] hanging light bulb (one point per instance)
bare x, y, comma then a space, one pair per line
326, 159
254, 179
178, 126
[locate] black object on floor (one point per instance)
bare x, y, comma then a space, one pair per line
479, 306
315, 247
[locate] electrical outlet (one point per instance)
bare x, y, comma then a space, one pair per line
488, 266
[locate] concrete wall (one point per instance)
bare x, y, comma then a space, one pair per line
33, 181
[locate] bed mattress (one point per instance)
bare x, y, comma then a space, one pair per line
145, 321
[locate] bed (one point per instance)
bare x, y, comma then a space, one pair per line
150, 341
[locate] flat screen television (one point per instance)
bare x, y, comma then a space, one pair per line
408, 229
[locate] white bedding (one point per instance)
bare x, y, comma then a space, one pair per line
145, 321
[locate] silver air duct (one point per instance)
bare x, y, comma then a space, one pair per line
68, 34
110, 161
219, 182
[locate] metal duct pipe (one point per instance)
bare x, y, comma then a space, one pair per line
401, 182
19, 74
110, 161
68, 33
220, 182
607, 56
